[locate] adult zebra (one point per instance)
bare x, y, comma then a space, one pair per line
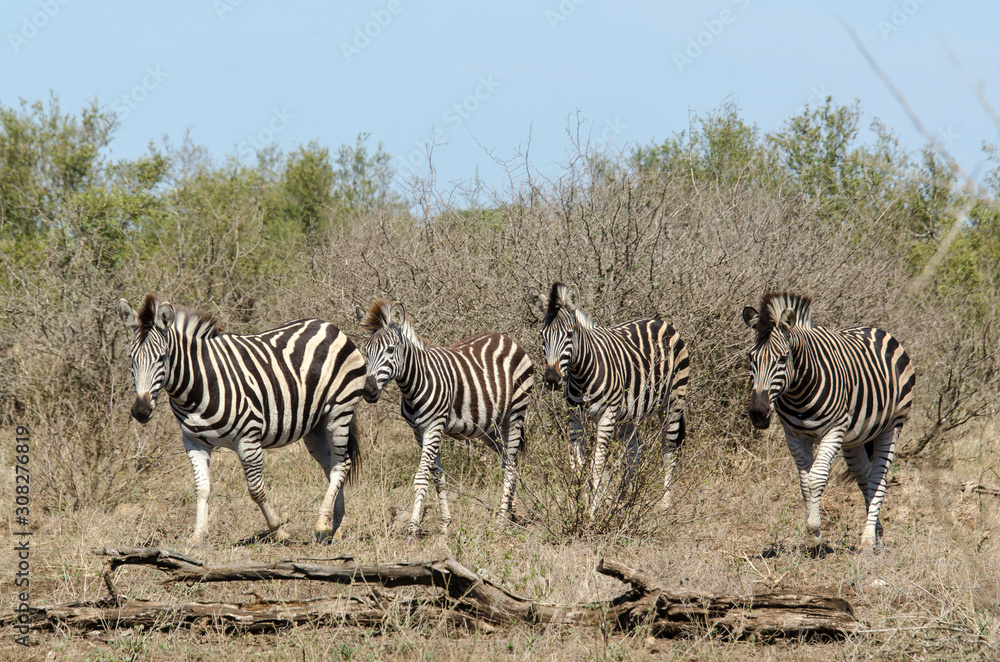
477, 388
301, 380
831, 390
618, 375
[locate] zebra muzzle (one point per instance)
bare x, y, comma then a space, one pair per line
371, 390
142, 409
760, 410
552, 377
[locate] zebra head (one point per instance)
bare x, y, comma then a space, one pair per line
383, 350
148, 352
558, 330
771, 356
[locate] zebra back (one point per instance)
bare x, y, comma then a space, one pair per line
275, 385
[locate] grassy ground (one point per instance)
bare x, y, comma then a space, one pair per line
932, 593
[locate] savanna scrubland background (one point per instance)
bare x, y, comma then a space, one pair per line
690, 229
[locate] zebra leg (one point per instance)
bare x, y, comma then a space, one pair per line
439, 485
629, 433
885, 451
861, 468
605, 428
819, 473
672, 440
513, 439
334, 450
430, 444
200, 455
576, 440
319, 447
252, 458
802, 454
633, 450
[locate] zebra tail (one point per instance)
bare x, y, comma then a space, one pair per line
353, 450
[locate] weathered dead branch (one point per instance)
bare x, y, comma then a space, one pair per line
469, 601
973, 487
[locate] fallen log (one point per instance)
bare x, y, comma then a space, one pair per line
973, 487
468, 600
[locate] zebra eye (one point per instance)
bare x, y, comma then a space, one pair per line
390, 350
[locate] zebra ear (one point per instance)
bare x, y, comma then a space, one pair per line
397, 315
164, 316
750, 316
128, 315
535, 300
572, 297
787, 320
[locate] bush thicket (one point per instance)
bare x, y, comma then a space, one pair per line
690, 230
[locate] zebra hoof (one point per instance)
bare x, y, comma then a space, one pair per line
870, 547
324, 536
412, 529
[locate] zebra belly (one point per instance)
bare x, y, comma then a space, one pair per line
450, 425
814, 431
248, 425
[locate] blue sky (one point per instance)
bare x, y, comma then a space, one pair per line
482, 78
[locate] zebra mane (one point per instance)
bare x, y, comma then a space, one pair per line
775, 303
557, 301
190, 322
379, 316
147, 313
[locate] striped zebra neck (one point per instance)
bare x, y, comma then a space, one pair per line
802, 364
414, 366
584, 356
190, 331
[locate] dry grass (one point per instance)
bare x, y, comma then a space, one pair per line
932, 593
691, 253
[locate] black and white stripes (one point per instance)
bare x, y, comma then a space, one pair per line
301, 380
477, 388
831, 390
617, 375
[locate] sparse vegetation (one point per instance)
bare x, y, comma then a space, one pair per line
690, 230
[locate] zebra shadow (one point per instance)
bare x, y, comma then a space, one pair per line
265, 537
779, 549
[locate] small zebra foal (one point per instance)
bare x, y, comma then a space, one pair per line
477, 388
301, 380
618, 375
832, 390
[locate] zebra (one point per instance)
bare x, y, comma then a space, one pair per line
832, 390
477, 388
301, 380
618, 376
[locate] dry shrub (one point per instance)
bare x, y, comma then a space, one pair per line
690, 252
